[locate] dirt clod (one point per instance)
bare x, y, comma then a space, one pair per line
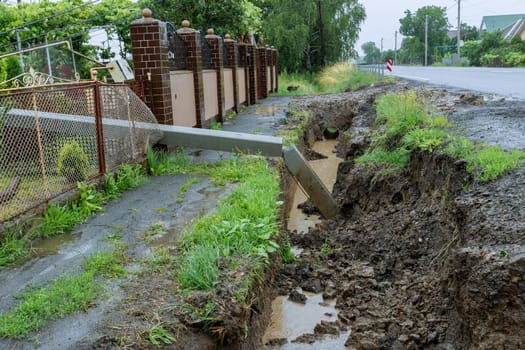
427, 258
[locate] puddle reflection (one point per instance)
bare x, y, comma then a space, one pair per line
290, 319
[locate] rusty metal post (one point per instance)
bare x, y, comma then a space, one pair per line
99, 128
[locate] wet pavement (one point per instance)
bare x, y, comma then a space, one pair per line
155, 203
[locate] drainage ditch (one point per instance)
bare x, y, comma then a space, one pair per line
415, 260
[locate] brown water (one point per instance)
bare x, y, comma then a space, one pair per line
326, 169
268, 110
53, 244
289, 319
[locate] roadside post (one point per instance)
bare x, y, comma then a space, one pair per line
389, 65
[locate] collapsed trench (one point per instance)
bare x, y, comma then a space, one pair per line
402, 261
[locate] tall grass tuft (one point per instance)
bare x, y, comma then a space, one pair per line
343, 77
62, 296
298, 84
12, 247
242, 231
333, 79
404, 124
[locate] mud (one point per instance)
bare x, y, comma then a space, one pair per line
428, 258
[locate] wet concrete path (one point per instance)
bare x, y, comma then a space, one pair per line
156, 202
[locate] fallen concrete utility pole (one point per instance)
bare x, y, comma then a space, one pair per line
268, 146
218, 140
310, 182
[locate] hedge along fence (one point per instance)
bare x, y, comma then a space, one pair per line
197, 80
52, 136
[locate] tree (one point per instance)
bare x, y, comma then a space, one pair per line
115, 16
476, 49
235, 17
469, 32
47, 21
371, 51
294, 28
413, 27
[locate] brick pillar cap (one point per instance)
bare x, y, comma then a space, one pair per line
228, 38
147, 14
211, 34
146, 17
186, 27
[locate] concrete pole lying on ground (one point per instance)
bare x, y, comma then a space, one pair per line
220, 140
310, 182
217, 140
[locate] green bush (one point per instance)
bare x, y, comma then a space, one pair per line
514, 58
491, 60
73, 162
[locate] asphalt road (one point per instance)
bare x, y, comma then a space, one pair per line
508, 82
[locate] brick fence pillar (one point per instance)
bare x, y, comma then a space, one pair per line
251, 57
231, 52
149, 47
217, 63
192, 40
276, 68
262, 73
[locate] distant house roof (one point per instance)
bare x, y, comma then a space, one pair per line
502, 22
517, 28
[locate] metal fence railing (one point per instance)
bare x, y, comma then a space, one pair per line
376, 69
206, 54
177, 52
55, 135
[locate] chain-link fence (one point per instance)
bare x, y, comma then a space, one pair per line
53, 136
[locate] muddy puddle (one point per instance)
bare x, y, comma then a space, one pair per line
269, 111
52, 245
293, 322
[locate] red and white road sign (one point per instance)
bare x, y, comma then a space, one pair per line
389, 65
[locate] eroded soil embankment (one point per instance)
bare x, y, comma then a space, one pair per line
415, 260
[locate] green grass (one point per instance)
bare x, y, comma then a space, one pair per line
333, 79
240, 233
306, 84
397, 159
158, 336
163, 163
199, 267
221, 172
404, 124
12, 248
287, 255
185, 187
297, 122
62, 296
154, 230
59, 219
343, 77
489, 162
215, 125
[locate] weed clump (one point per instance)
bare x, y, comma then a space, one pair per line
333, 79
404, 124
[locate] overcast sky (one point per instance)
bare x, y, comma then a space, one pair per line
382, 17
